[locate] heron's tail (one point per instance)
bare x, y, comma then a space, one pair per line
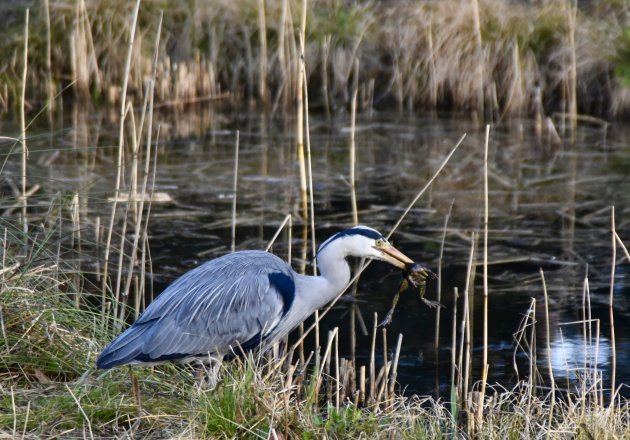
125, 349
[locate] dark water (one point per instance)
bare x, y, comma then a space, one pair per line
550, 200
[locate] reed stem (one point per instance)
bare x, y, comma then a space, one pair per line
23, 129
234, 191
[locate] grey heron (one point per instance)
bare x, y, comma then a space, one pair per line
243, 299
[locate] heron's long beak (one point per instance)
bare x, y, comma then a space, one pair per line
394, 257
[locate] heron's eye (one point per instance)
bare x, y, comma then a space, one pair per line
380, 242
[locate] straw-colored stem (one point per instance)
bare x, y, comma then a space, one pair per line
373, 360
484, 362
234, 191
438, 311
613, 262
287, 220
300, 116
549, 363
353, 159
572, 18
466, 330
50, 85
309, 162
394, 373
454, 341
480, 58
23, 129
262, 26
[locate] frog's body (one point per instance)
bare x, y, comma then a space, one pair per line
415, 274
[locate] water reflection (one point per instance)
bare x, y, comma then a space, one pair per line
574, 356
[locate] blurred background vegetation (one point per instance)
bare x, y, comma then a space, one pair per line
494, 57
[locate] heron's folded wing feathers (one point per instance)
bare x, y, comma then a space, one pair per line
228, 301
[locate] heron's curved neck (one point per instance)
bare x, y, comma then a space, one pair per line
335, 275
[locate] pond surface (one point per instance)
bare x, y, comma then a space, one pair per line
550, 199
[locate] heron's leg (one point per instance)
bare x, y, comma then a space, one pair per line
135, 388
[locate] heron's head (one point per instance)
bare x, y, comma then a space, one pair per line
364, 242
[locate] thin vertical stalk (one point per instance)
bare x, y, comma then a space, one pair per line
262, 85
454, 352
373, 360
484, 362
572, 18
394, 373
309, 162
613, 366
480, 57
23, 129
300, 115
467, 333
234, 190
353, 158
439, 285
549, 363
50, 86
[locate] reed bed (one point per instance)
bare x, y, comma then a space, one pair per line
490, 57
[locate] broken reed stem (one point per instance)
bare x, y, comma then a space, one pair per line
234, 190
23, 129
394, 374
438, 312
613, 367
549, 363
484, 362
286, 220
384, 374
121, 144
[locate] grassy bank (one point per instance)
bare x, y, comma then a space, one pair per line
50, 386
492, 57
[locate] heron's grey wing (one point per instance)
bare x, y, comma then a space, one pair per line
235, 299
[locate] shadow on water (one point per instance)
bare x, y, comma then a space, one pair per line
549, 201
